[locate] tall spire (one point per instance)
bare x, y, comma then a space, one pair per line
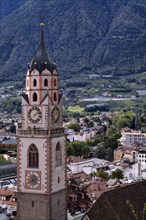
42, 42
41, 60
42, 38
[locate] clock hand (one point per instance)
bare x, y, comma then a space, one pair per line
34, 179
34, 114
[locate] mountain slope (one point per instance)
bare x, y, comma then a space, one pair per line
8, 6
82, 36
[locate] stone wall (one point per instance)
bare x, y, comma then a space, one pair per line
42, 207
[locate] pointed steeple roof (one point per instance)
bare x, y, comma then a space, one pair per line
42, 60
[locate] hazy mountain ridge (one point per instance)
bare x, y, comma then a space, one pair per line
82, 36
8, 6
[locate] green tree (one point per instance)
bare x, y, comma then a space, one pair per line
11, 104
91, 142
75, 115
2, 159
103, 174
90, 124
13, 128
117, 174
123, 122
70, 150
100, 152
111, 142
109, 154
78, 148
93, 174
74, 126
100, 138
122, 119
117, 135
86, 120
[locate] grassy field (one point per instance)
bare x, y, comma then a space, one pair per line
75, 108
92, 91
139, 75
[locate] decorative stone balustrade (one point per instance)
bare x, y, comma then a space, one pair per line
39, 132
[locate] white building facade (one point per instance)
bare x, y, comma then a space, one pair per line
132, 138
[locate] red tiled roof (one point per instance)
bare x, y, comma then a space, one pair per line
6, 192
10, 195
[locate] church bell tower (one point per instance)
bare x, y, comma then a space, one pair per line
41, 144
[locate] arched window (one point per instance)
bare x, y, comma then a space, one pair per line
34, 82
35, 97
58, 155
55, 97
45, 82
58, 179
33, 156
55, 82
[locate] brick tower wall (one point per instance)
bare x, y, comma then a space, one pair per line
41, 206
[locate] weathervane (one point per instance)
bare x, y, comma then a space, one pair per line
42, 24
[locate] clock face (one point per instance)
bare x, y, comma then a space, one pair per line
34, 114
33, 179
55, 114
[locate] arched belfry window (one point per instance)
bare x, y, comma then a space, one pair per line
35, 97
33, 156
58, 155
55, 97
55, 82
34, 82
45, 82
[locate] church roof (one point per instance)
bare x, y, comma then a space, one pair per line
115, 204
42, 60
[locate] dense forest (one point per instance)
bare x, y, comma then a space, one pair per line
82, 36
